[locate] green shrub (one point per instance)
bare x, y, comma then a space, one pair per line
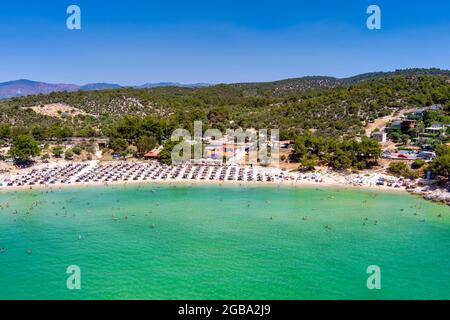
57, 151
69, 154
417, 164
398, 167
77, 149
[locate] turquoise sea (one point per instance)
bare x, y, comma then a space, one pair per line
222, 242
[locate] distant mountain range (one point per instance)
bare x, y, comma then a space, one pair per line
25, 87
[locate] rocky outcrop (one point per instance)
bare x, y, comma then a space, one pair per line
433, 193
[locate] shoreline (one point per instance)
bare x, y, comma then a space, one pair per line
169, 182
290, 179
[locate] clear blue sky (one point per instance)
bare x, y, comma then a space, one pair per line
132, 42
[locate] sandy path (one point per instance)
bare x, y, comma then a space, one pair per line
381, 122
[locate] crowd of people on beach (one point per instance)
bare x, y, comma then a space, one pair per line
110, 172
46, 175
97, 172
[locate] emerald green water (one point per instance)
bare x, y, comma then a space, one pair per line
227, 242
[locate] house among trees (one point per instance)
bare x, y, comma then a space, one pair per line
407, 124
396, 125
234, 153
380, 136
436, 128
419, 113
436, 107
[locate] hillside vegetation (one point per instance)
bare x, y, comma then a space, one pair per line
325, 105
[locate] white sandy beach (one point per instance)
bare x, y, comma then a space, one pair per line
92, 173
53, 176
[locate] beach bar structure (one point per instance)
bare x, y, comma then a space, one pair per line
153, 154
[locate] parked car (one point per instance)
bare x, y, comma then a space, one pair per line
386, 154
426, 155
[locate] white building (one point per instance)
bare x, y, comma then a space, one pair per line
380, 136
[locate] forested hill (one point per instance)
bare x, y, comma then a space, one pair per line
331, 106
319, 82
